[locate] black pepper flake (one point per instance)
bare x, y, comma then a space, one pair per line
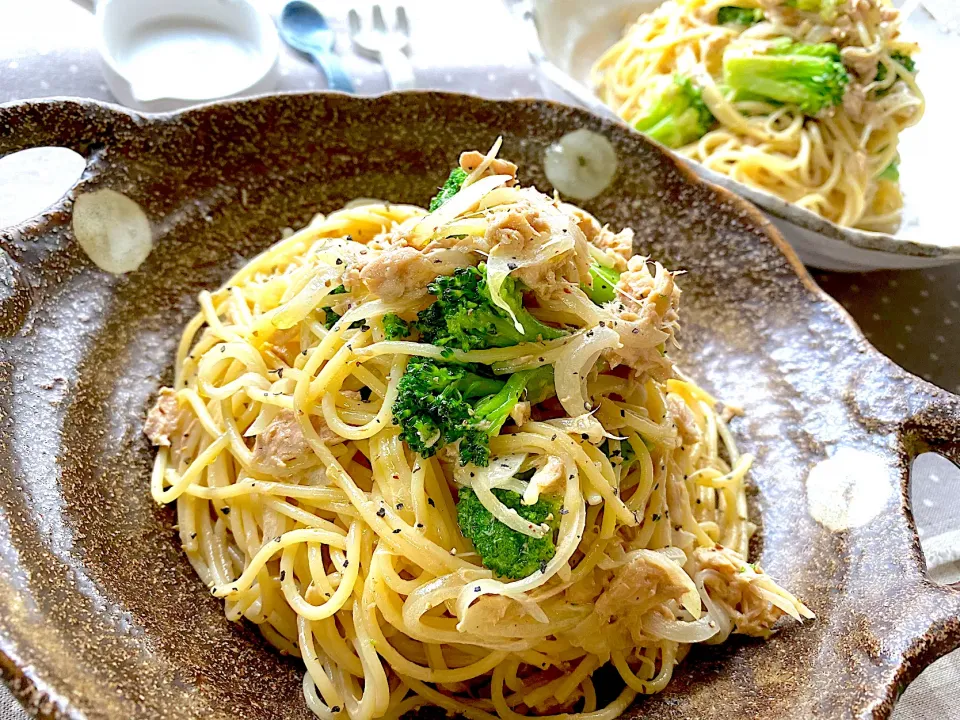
698, 501
277, 539
543, 566
364, 327
339, 261
564, 511
381, 512
192, 535
655, 517
280, 373
346, 563
431, 503
335, 708
636, 331
225, 511
399, 506
283, 575
223, 348
512, 266
304, 353
584, 436
396, 531
476, 588
419, 525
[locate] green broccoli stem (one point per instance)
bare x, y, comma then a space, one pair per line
677, 116
478, 386
826, 8
605, 281
450, 188
491, 413
891, 172
809, 76
734, 15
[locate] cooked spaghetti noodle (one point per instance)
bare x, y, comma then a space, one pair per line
300, 503
839, 163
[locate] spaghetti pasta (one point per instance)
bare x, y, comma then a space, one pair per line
301, 502
839, 162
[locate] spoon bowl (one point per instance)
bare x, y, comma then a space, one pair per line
304, 28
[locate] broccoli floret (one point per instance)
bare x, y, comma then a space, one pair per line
507, 552
678, 116
465, 317
908, 63
810, 76
826, 8
732, 15
432, 406
490, 414
450, 188
395, 327
440, 403
891, 172
604, 283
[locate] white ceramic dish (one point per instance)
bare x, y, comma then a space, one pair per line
572, 34
161, 55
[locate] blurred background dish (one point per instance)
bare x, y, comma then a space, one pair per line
159, 55
573, 36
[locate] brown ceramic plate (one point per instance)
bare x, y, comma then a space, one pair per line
100, 614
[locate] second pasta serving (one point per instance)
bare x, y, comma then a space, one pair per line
804, 99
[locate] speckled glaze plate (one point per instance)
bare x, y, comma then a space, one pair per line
102, 617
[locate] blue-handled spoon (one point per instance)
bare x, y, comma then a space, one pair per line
304, 28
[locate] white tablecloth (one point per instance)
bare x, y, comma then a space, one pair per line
46, 49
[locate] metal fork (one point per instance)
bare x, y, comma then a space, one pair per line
386, 45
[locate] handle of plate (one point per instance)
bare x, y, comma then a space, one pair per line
78, 125
936, 428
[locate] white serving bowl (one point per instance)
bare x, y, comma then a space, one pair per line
573, 34
162, 55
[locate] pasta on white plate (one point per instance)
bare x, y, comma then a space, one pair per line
445, 458
804, 99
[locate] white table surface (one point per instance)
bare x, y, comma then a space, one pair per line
46, 49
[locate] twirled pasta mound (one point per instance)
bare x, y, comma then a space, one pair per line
445, 458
